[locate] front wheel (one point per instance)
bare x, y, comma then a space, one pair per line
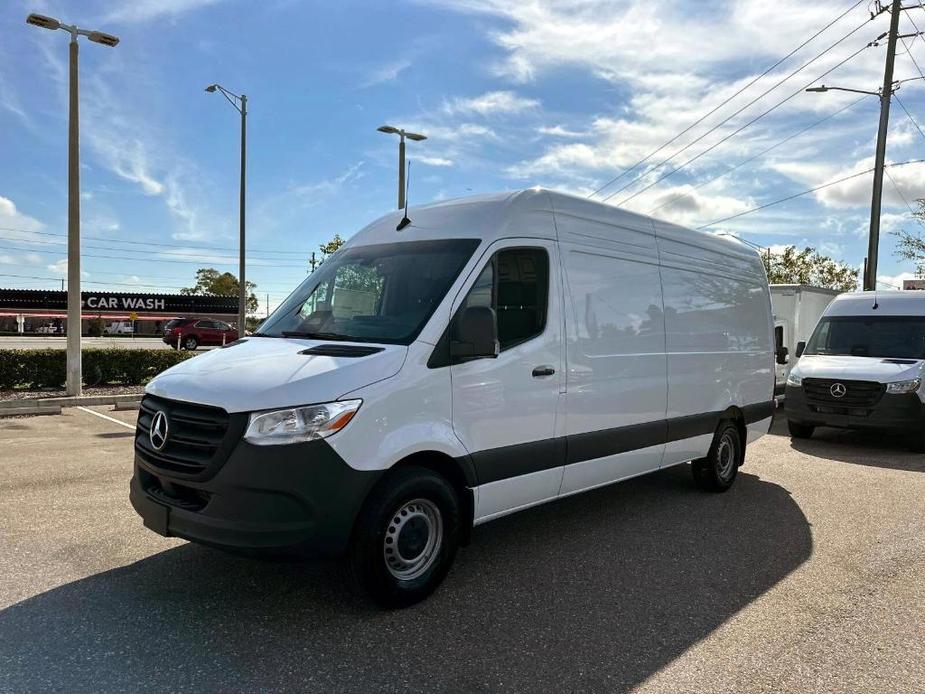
190, 343
405, 538
718, 470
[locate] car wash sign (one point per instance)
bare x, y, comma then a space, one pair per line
122, 302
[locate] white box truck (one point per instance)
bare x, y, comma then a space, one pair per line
517, 348
797, 308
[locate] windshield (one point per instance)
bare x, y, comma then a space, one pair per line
898, 337
380, 293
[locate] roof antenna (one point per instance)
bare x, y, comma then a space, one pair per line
405, 221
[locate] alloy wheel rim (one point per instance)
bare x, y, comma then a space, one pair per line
413, 539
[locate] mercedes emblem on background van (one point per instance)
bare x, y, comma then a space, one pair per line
837, 390
158, 434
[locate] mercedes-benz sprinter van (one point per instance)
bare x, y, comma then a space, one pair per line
863, 368
493, 354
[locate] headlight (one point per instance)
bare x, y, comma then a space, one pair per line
795, 380
903, 387
297, 424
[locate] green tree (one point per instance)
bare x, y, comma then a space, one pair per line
912, 246
331, 246
211, 282
793, 266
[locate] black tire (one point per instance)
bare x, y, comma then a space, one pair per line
400, 511
800, 431
190, 343
717, 472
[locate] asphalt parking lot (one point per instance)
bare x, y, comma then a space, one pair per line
808, 576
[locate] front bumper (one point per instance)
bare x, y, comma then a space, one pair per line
300, 497
891, 412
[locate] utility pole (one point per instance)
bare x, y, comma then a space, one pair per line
268, 305
886, 95
313, 262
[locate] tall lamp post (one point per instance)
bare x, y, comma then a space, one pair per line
402, 134
873, 240
74, 375
240, 105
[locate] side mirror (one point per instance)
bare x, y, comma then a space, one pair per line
783, 355
475, 334
801, 347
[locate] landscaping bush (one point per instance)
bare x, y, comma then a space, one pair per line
47, 368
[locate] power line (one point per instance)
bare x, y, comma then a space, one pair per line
909, 115
738, 130
146, 260
745, 107
726, 101
805, 192
760, 154
146, 243
898, 189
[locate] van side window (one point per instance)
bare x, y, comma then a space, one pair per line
515, 283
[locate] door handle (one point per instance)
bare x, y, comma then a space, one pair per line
541, 371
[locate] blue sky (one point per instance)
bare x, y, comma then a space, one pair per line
560, 93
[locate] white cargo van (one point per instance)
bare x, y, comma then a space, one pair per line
797, 308
863, 367
496, 353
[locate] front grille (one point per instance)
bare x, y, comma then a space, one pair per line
858, 394
199, 437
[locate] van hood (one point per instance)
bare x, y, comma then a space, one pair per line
262, 373
882, 370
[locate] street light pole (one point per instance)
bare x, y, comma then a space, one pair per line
240, 104
74, 374
402, 134
74, 357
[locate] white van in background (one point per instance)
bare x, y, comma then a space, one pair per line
121, 327
863, 368
496, 353
797, 308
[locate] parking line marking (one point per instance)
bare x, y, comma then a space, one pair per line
107, 417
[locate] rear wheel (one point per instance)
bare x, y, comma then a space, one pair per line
800, 431
190, 342
405, 538
718, 470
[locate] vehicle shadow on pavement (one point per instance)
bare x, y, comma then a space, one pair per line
595, 592
871, 448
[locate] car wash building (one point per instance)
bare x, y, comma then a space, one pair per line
44, 311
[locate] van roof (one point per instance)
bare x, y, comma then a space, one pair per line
528, 213
889, 303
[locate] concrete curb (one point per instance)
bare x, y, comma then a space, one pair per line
29, 410
10, 407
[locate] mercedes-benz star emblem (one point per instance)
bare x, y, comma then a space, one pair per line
158, 434
838, 390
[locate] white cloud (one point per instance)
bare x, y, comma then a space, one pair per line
490, 103
59, 267
146, 10
387, 73
558, 131
12, 218
433, 161
894, 281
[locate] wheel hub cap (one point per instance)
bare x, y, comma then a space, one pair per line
413, 539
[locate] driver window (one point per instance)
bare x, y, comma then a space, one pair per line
515, 283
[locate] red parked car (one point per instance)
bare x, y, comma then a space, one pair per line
190, 333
